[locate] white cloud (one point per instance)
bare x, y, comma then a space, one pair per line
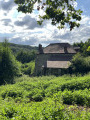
23, 29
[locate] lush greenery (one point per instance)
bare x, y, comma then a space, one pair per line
25, 56
80, 64
46, 98
15, 62
81, 61
9, 67
28, 68
17, 48
60, 12
84, 47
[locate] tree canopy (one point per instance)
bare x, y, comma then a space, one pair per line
9, 67
60, 12
84, 47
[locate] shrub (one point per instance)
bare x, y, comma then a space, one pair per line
37, 97
11, 93
81, 97
76, 84
80, 64
28, 68
9, 112
8, 65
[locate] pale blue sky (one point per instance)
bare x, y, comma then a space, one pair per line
85, 6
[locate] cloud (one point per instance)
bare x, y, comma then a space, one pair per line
8, 5
6, 21
29, 22
50, 34
23, 28
25, 40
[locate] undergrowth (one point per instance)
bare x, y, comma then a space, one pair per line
46, 98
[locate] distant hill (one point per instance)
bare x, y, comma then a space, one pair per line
17, 47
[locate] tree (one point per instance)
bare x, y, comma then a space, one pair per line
88, 50
25, 56
0, 52
61, 12
84, 47
80, 64
8, 65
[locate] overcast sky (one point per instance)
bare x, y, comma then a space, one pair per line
22, 28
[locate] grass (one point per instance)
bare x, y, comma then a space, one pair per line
46, 98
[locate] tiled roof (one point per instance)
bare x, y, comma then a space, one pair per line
57, 64
59, 48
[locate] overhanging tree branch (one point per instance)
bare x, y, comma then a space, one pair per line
60, 12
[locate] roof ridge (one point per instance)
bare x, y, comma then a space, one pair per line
59, 48
60, 43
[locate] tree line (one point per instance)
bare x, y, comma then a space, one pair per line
23, 62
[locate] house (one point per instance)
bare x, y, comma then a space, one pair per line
53, 58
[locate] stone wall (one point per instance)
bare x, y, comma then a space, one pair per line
41, 60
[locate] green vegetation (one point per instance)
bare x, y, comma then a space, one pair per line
25, 56
80, 97
60, 12
16, 63
9, 67
46, 98
42, 98
28, 68
17, 48
80, 64
84, 47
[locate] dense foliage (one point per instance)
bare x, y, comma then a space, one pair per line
17, 47
25, 56
9, 67
80, 64
16, 60
28, 68
84, 47
81, 61
59, 11
46, 98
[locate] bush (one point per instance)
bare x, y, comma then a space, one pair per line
28, 68
9, 112
9, 67
80, 64
80, 97
11, 93
37, 97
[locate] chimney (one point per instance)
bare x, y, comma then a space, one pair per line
40, 49
65, 50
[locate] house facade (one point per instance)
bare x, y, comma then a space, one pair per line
53, 58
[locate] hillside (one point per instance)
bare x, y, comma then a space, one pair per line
17, 47
46, 98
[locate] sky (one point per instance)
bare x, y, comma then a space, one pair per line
20, 28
